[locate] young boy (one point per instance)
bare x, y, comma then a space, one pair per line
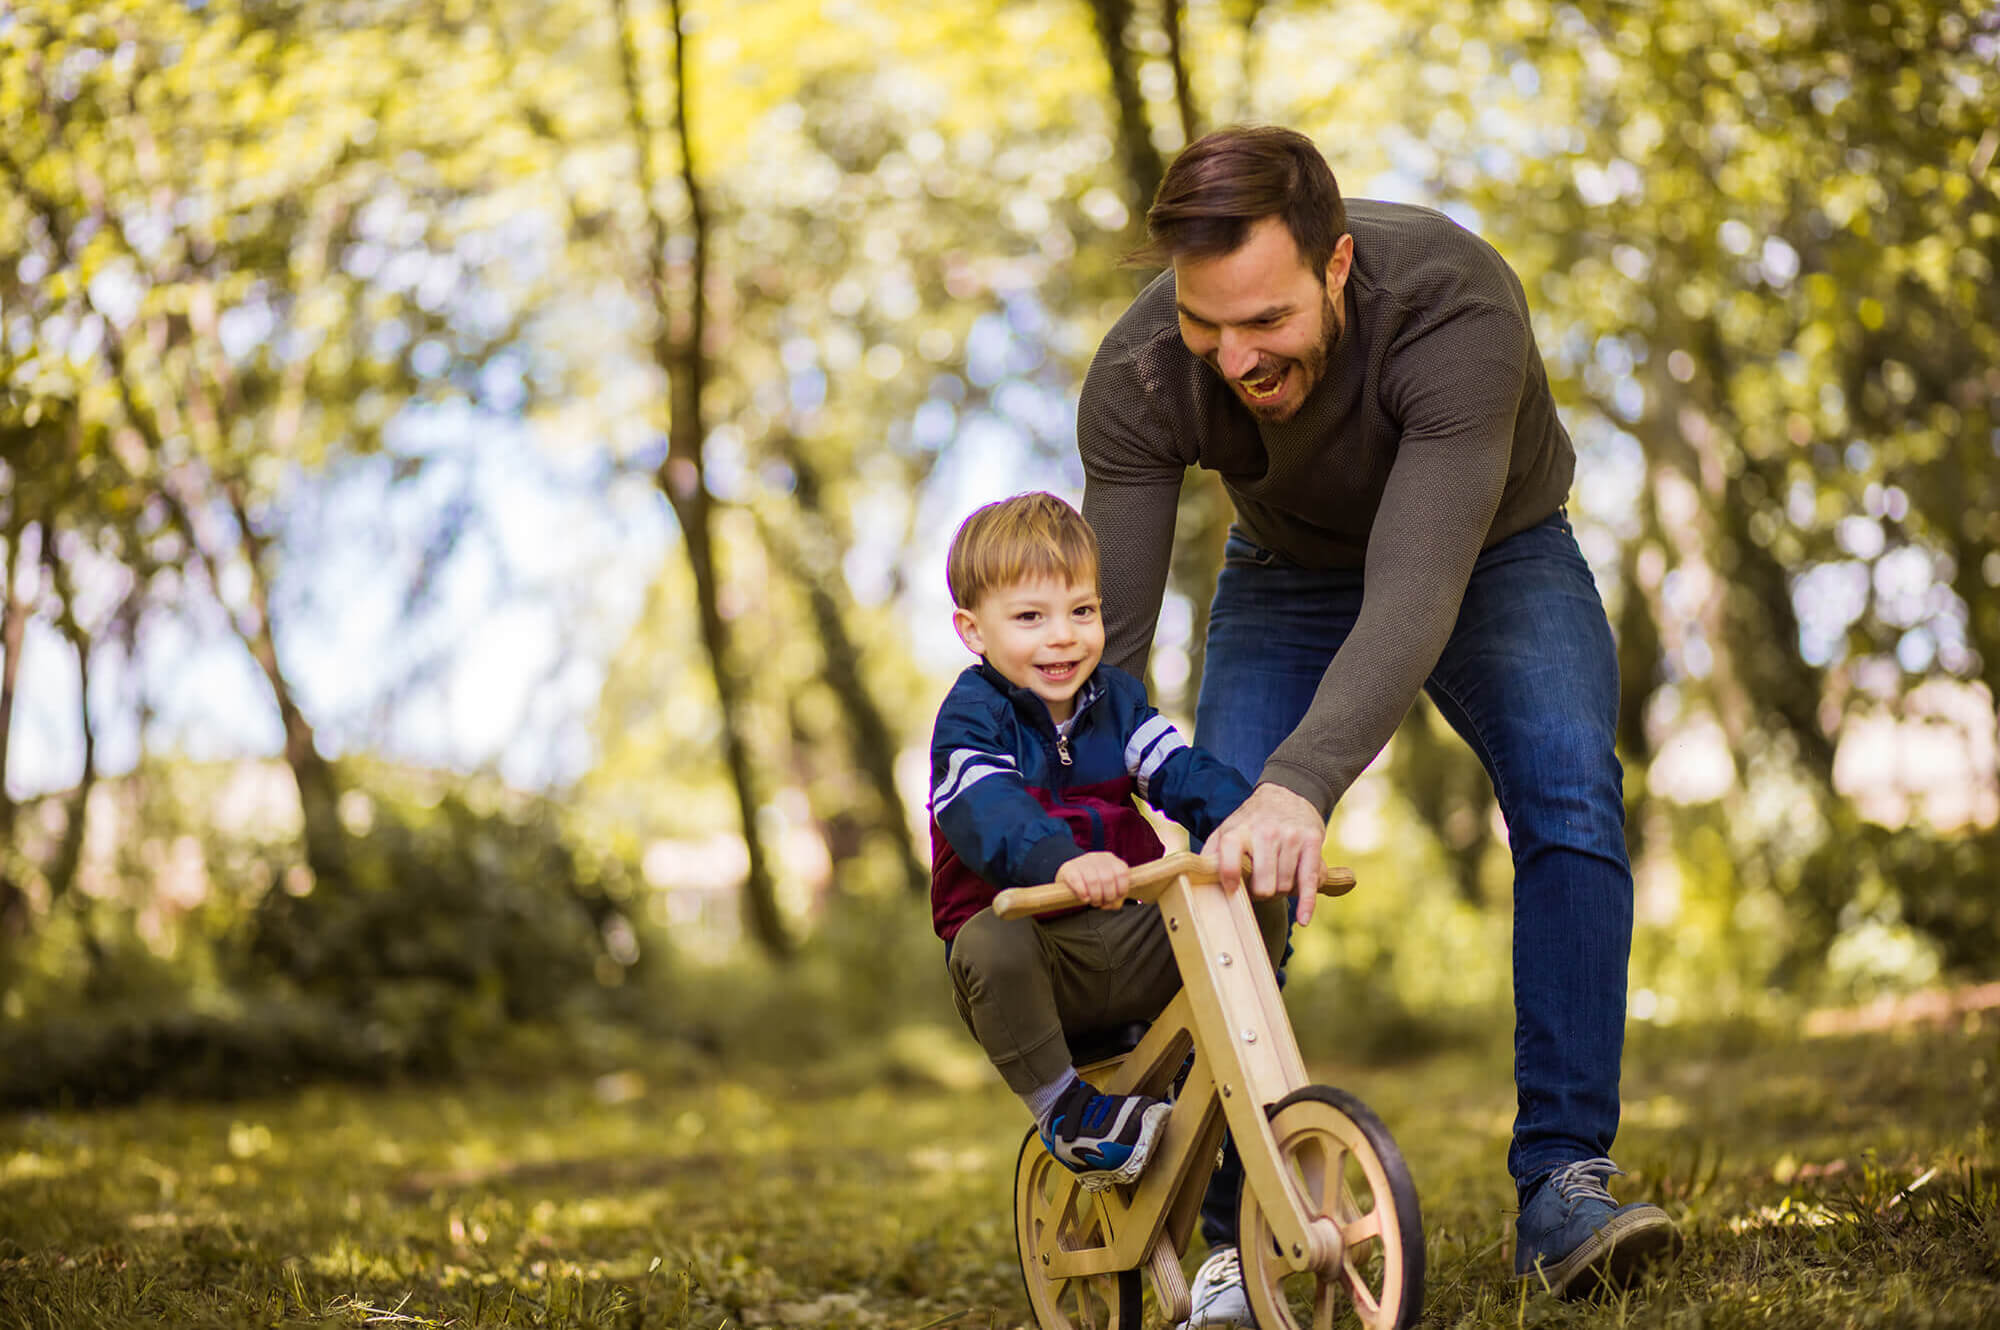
1037, 753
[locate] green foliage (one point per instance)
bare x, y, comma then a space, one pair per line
462, 932
448, 906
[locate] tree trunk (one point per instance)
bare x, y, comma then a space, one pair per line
1170, 19
1143, 167
68, 857
13, 629
679, 353
871, 741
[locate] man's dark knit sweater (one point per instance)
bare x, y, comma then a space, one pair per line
1431, 436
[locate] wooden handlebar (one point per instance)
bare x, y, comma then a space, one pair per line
1148, 881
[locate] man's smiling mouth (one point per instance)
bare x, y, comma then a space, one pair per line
1263, 387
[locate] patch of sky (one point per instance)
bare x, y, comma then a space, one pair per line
430, 358
1462, 212
1398, 183
726, 467
933, 425
1779, 262
1859, 536
1043, 411
989, 350
115, 293
1828, 598
243, 328
1610, 475
84, 341
808, 389
871, 564
1903, 579
1915, 650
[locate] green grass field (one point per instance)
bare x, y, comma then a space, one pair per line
1846, 1180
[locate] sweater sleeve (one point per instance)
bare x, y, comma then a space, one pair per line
1132, 475
1455, 387
983, 806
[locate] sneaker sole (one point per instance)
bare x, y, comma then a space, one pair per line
1611, 1257
1104, 1179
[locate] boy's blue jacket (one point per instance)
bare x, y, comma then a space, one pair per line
1008, 811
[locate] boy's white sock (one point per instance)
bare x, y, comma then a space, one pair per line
1041, 1100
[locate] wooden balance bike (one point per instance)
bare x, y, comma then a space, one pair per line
1329, 1215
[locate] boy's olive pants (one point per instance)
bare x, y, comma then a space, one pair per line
1022, 985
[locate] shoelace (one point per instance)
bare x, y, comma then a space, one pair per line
1223, 1266
1584, 1180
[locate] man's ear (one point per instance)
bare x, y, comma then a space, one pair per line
1340, 264
968, 631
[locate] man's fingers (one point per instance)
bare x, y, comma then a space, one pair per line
1229, 854
1264, 860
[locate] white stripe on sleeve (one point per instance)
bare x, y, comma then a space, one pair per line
966, 768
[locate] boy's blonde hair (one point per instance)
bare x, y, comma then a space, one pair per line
1027, 537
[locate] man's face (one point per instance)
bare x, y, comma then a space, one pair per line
1263, 319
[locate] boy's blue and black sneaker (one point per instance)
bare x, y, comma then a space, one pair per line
1573, 1237
1104, 1139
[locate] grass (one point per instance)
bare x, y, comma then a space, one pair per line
1837, 1181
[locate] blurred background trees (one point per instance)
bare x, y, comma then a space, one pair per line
473, 483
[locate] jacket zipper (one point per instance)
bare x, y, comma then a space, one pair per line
1062, 748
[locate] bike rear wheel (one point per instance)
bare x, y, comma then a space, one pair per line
1347, 1167
1041, 1212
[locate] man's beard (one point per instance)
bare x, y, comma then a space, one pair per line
1312, 368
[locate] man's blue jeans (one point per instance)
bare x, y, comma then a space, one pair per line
1530, 680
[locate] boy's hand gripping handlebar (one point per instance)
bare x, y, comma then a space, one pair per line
1148, 881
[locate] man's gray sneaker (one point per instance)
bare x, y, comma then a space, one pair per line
1573, 1238
1218, 1295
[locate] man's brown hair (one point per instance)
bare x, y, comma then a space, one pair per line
1226, 180
1025, 538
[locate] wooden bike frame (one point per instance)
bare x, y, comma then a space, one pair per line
1230, 1014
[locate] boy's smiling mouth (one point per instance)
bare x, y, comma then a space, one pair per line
1058, 671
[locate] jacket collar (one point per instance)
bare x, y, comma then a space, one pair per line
1025, 699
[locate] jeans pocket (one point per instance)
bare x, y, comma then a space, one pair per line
1241, 550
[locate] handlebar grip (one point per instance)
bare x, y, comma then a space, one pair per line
1020, 902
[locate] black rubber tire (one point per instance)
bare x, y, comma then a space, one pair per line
1389, 1294
1100, 1302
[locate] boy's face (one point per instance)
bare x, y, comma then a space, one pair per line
1044, 635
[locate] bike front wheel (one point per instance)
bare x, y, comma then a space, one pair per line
1346, 1166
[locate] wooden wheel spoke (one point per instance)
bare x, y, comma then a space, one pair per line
1323, 1304
1363, 1227
1365, 1301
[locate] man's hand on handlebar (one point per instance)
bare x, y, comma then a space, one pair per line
1098, 878
1282, 833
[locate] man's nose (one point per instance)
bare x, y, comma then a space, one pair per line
1236, 356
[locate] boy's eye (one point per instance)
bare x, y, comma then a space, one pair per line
1026, 616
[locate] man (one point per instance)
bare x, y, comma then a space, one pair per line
1365, 380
